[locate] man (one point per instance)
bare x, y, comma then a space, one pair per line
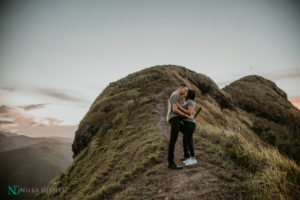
173, 118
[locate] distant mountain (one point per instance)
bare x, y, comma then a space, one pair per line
14, 141
33, 164
8, 134
6, 143
21, 141
121, 144
65, 139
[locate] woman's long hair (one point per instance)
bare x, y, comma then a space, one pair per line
190, 95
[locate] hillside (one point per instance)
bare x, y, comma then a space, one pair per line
8, 134
34, 165
274, 118
120, 147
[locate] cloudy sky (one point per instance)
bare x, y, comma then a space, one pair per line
57, 56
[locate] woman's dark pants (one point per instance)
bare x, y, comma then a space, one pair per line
189, 128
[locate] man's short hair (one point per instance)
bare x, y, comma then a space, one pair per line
182, 84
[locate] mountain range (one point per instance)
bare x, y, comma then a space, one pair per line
31, 162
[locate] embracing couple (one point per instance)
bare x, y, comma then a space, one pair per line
181, 118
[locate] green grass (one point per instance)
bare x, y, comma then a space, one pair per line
263, 171
275, 119
122, 156
126, 145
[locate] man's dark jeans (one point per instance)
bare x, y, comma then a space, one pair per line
175, 125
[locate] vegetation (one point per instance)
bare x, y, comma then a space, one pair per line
263, 172
125, 146
121, 145
275, 119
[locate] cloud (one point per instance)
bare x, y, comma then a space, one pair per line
272, 76
4, 109
6, 122
17, 115
284, 76
60, 94
57, 93
10, 89
33, 106
53, 121
13, 119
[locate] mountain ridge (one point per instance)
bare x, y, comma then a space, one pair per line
120, 146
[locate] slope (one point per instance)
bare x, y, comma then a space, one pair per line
274, 118
121, 143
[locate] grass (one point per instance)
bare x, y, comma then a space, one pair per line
264, 172
275, 119
125, 146
119, 151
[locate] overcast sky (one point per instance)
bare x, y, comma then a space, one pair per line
57, 56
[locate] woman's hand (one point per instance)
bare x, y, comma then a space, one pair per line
188, 112
190, 116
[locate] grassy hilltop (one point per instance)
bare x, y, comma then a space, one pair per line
120, 147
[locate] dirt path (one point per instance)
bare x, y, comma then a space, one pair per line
192, 182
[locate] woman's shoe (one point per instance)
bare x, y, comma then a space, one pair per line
184, 158
187, 160
190, 162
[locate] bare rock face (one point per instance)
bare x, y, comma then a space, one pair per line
83, 136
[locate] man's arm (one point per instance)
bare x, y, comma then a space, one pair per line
189, 111
176, 110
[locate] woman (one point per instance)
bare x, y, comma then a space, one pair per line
189, 126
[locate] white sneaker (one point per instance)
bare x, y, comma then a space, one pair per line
190, 162
187, 160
